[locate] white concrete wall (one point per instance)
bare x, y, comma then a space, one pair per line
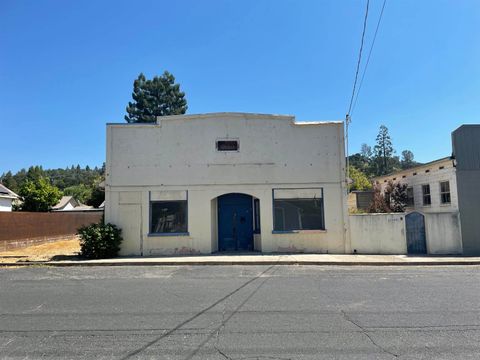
5, 204
378, 233
179, 154
385, 233
443, 233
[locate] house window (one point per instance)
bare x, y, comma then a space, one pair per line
445, 192
305, 212
168, 217
410, 198
228, 145
427, 199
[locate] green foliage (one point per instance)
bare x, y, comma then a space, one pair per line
381, 160
383, 151
9, 181
408, 160
359, 179
73, 180
97, 197
81, 192
38, 195
157, 97
99, 241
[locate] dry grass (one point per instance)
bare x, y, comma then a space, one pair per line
44, 252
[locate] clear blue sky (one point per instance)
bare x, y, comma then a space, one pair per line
67, 68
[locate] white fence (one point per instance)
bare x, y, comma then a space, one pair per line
386, 233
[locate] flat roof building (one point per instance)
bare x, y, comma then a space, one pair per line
204, 183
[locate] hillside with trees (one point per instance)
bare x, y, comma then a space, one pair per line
42, 188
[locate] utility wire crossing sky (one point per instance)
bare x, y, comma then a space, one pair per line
67, 68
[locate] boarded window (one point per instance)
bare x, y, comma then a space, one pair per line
445, 192
427, 199
410, 198
168, 217
228, 145
301, 213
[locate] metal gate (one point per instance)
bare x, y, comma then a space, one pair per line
416, 238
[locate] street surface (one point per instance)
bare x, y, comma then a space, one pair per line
240, 312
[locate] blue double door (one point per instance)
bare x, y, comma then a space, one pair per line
235, 222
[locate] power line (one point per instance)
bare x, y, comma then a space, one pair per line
347, 119
359, 60
369, 54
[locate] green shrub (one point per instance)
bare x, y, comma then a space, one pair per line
98, 241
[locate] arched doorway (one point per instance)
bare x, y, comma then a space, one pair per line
235, 222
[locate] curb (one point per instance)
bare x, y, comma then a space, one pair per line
242, 263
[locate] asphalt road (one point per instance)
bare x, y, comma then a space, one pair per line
240, 312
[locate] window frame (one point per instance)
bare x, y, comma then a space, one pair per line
150, 233
412, 203
303, 198
442, 193
424, 195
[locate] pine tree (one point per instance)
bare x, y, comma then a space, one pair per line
383, 151
157, 97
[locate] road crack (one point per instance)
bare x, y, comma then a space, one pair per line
197, 315
365, 332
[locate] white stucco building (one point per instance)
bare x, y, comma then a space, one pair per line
432, 187
204, 183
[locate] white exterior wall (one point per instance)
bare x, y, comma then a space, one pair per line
178, 155
378, 233
386, 233
5, 204
433, 177
443, 233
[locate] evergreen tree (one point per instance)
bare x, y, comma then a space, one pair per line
9, 181
383, 152
157, 97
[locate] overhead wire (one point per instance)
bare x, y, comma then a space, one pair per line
359, 59
347, 118
368, 58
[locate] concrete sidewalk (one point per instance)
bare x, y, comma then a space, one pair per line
259, 259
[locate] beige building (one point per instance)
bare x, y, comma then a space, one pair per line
432, 187
204, 183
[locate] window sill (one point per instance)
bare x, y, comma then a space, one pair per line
446, 204
168, 234
300, 232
